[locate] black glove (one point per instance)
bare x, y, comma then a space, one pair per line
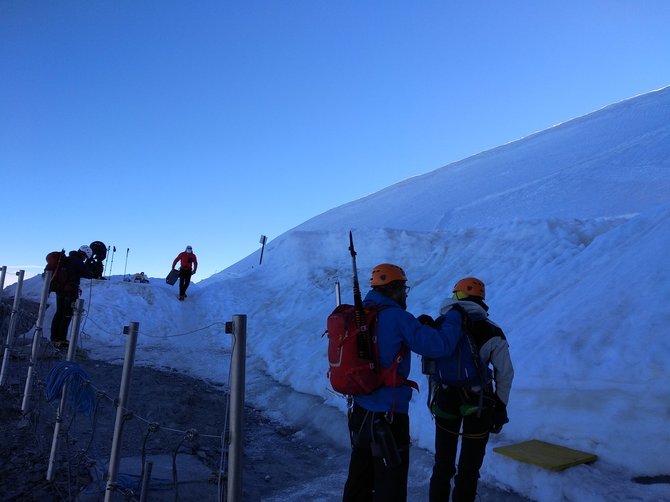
427, 320
499, 415
193, 273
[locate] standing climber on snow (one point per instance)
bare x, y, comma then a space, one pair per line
66, 286
468, 405
382, 417
187, 268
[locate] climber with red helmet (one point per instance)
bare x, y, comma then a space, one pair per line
379, 421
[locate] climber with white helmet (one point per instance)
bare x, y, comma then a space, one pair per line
65, 284
188, 264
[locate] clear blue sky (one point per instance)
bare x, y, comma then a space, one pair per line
152, 125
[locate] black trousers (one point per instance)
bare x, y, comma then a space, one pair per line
375, 474
61, 320
473, 438
184, 280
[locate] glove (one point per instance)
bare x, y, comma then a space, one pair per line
499, 415
427, 320
193, 273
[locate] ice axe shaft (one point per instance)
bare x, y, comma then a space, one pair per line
363, 342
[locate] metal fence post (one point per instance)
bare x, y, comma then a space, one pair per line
9, 341
128, 363
74, 331
237, 370
36, 339
3, 273
145, 482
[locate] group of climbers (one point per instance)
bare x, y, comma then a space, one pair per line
85, 263
466, 408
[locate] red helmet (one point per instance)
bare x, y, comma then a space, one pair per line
471, 286
385, 273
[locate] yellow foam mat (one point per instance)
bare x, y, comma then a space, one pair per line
547, 455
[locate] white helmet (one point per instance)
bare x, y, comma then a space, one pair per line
86, 250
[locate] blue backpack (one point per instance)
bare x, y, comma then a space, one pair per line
464, 367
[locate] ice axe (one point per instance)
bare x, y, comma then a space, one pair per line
364, 347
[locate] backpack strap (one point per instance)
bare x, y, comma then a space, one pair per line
392, 378
466, 325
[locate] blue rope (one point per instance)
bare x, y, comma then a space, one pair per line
80, 392
82, 396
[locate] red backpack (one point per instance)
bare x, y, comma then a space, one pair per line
56, 264
352, 371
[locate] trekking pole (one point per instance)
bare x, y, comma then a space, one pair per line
338, 297
104, 271
112, 264
364, 349
126, 265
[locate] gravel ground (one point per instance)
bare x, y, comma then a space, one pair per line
191, 414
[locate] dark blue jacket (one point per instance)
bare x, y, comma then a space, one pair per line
76, 269
398, 328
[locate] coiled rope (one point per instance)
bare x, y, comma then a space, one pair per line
82, 396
